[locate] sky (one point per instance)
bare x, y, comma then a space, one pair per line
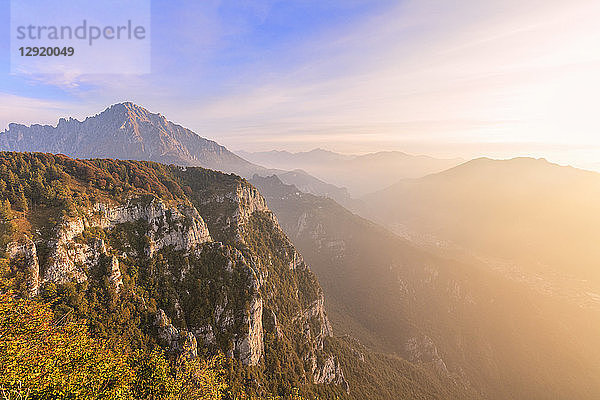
452, 78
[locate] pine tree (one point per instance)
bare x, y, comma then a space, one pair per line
21, 202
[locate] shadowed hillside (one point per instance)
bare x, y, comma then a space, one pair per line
456, 315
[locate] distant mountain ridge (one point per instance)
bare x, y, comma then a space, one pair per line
284, 156
525, 210
128, 131
361, 174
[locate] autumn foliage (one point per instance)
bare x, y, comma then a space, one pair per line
41, 358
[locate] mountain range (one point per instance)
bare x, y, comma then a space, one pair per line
127, 131
539, 216
361, 174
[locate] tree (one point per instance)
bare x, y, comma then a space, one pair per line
55, 359
20, 201
48, 359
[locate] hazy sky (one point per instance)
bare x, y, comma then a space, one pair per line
446, 78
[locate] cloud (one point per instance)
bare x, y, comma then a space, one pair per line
421, 74
522, 71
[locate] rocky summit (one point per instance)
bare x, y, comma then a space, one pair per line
125, 131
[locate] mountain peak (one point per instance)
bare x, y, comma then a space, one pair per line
129, 111
130, 105
516, 162
319, 150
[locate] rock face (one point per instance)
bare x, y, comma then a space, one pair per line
180, 342
115, 273
248, 200
250, 346
180, 226
315, 314
240, 203
324, 371
27, 253
69, 257
330, 372
422, 349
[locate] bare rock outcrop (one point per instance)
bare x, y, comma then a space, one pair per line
180, 226
180, 342
313, 316
315, 327
27, 252
115, 273
329, 372
250, 346
422, 349
240, 202
248, 200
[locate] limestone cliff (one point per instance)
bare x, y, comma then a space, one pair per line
202, 254
25, 253
180, 226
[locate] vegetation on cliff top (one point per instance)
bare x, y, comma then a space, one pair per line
104, 341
